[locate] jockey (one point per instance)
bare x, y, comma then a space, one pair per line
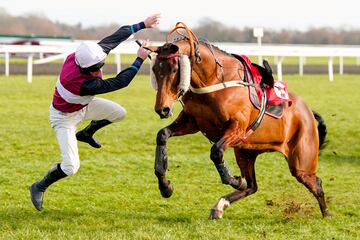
74, 100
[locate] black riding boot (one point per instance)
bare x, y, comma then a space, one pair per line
86, 135
37, 189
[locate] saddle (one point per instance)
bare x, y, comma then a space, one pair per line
276, 91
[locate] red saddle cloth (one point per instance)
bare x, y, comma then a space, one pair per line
277, 95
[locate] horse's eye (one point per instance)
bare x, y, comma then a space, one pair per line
174, 69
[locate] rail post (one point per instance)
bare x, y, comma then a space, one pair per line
301, 65
341, 65
331, 69
279, 68
7, 64
30, 68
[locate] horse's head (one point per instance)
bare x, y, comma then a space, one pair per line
170, 77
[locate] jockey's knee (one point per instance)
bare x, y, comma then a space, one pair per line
118, 114
70, 169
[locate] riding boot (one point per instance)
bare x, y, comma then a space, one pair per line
86, 135
38, 188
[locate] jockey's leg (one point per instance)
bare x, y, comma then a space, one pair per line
64, 126
102, 112
37, 189
86, 135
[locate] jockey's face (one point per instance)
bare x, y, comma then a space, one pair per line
96, 73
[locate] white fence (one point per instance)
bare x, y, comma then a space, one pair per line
62, 49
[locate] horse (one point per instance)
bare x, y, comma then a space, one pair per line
223, 114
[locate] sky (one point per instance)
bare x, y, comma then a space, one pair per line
272, 14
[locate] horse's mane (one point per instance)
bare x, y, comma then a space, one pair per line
205, 43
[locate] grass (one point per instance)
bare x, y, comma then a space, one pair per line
114, 195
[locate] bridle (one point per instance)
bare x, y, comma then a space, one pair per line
194, 52
181, 92
191, 37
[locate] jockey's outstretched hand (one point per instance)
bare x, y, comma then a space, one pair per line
152, 21
142, 52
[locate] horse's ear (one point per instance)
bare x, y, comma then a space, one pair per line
174, 48
154, 49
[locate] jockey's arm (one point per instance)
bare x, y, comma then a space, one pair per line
98, 86
123, 33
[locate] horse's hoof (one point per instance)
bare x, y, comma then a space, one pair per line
215, 214
327, 215
166, 191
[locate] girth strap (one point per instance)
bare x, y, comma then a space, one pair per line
255, 124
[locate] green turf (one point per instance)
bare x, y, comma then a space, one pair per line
114, 195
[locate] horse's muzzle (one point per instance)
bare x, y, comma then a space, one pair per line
164, 112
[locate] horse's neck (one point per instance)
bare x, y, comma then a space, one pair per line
215, 68
202, 72
208, 72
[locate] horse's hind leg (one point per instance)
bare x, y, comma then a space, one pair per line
246, 163
302, 162
313, 184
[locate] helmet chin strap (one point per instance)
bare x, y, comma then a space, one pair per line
185, 74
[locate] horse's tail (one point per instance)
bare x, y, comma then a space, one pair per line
321, 130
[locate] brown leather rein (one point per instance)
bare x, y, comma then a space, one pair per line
191, 37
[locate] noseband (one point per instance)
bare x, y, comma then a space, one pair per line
167, 56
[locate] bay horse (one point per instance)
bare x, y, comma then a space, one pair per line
184, 67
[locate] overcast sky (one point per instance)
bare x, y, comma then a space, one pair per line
274, 14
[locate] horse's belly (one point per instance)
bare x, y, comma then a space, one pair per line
214, 119
271, 130
213, 132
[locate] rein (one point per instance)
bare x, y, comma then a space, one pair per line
193, 41
216, 61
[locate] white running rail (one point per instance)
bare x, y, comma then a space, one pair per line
279, 52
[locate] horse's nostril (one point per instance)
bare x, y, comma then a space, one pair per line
165, 111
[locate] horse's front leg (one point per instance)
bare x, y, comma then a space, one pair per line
231, 137
183, 125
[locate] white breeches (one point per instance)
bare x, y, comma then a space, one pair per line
65, 124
